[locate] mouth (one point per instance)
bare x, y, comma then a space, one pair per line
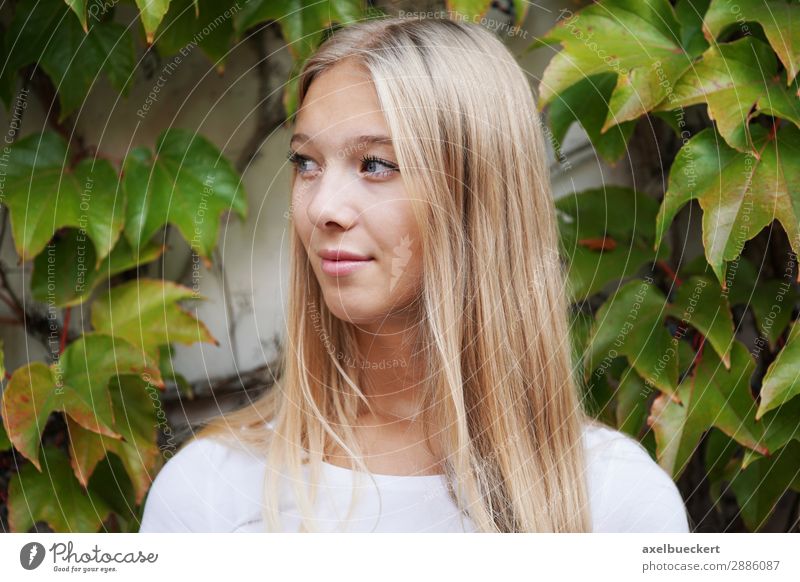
338, 263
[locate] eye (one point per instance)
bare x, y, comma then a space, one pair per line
378, 167
303, 164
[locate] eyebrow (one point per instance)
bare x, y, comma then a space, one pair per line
349, 143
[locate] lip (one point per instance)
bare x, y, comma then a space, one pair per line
338, 263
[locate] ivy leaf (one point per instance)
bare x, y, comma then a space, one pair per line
151, 13
303, 22
187, 183
43, 195
779, 19
44, 33
701, 303
690, 15
77, 385
469, 8
631, 324
626, 237
720, 462
204, 23
137, 449
79, 8
772, 307
711, 396
738, 81
780, 426
145, 312
165, 354
587, 102
632, 403
110, 482
637, 40
782, 380
60, 276
5, 443
759, 487
739, 193
53, 496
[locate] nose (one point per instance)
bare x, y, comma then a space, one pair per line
332, 202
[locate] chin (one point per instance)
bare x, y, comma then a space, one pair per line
353, 308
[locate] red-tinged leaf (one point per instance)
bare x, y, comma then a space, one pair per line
77, 385
710, 396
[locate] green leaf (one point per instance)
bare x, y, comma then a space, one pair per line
151, 13
780, 426
43, 32
166, 353
77, 385
59, 279
137, 449
303, 22
469, 8
739, 193
711, 396
187, 183
772, 308
759, 487
779, 19
204, 23
79, 8
520, 11
601, 243
782, 380
43, 194
720, 461
587, 102
636, 39
632, 403
738, 81
690, 15
53, 496
701, 303
146, 313
631, 324
5, 443
110, 482
8, 77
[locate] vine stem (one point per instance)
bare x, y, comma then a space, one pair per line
669, 272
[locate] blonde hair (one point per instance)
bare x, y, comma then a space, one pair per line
495, 337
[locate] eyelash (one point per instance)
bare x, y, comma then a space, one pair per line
297, 159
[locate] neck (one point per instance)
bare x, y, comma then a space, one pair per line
391, 369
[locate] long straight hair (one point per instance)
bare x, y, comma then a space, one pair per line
494, 335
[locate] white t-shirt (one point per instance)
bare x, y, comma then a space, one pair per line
211, 487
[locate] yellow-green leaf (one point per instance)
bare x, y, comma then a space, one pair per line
44, 194
782, 380
146, 312
779, 19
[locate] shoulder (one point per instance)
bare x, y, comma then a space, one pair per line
207, 486
628, 490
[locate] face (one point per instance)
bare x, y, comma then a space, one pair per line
349, 205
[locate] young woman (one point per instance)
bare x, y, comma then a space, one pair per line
427, 379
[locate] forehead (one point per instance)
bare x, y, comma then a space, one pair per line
341, 103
